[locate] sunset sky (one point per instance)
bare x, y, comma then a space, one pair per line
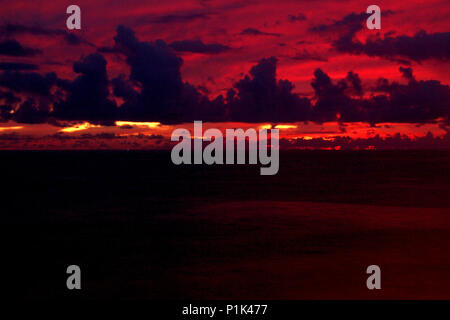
138, 69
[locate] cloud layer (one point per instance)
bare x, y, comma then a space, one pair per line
154, 89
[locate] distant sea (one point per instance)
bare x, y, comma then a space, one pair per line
142, 227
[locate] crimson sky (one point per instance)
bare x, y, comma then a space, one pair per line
336, 70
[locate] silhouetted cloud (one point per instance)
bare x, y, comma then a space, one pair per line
355, 82
407, 73
88, 94
332, 101
256, 32
177, 18
28, 82
305, 55
155, 91
31, 112
13, 48
8, 97
69, 37
18, 66
350, 24
7, 102
197, 46
296, 18
261, 97
416, 101
163, 96
421, 46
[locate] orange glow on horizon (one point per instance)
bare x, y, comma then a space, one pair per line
149, 125
80, 127
42, 135
10, 128
285, 126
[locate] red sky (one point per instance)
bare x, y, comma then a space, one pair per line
249, 30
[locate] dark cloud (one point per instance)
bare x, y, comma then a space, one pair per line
28, 82
106, 49
13, 29
123, 89
407, 73
163, 95
5, 112
421, 46
73, 39
417, 101
7, 102
350, 24
88, 94
13, 48
36, 91
178, 18
355, 82
35, 88
18, 66
256, 32
155, 91
305, 55
297, 18
30, 112
261, 97
8, 97
332, 101
303, 42
197, 46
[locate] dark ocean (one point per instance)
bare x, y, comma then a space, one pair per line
142, 227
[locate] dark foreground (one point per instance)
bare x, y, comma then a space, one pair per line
141, 227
